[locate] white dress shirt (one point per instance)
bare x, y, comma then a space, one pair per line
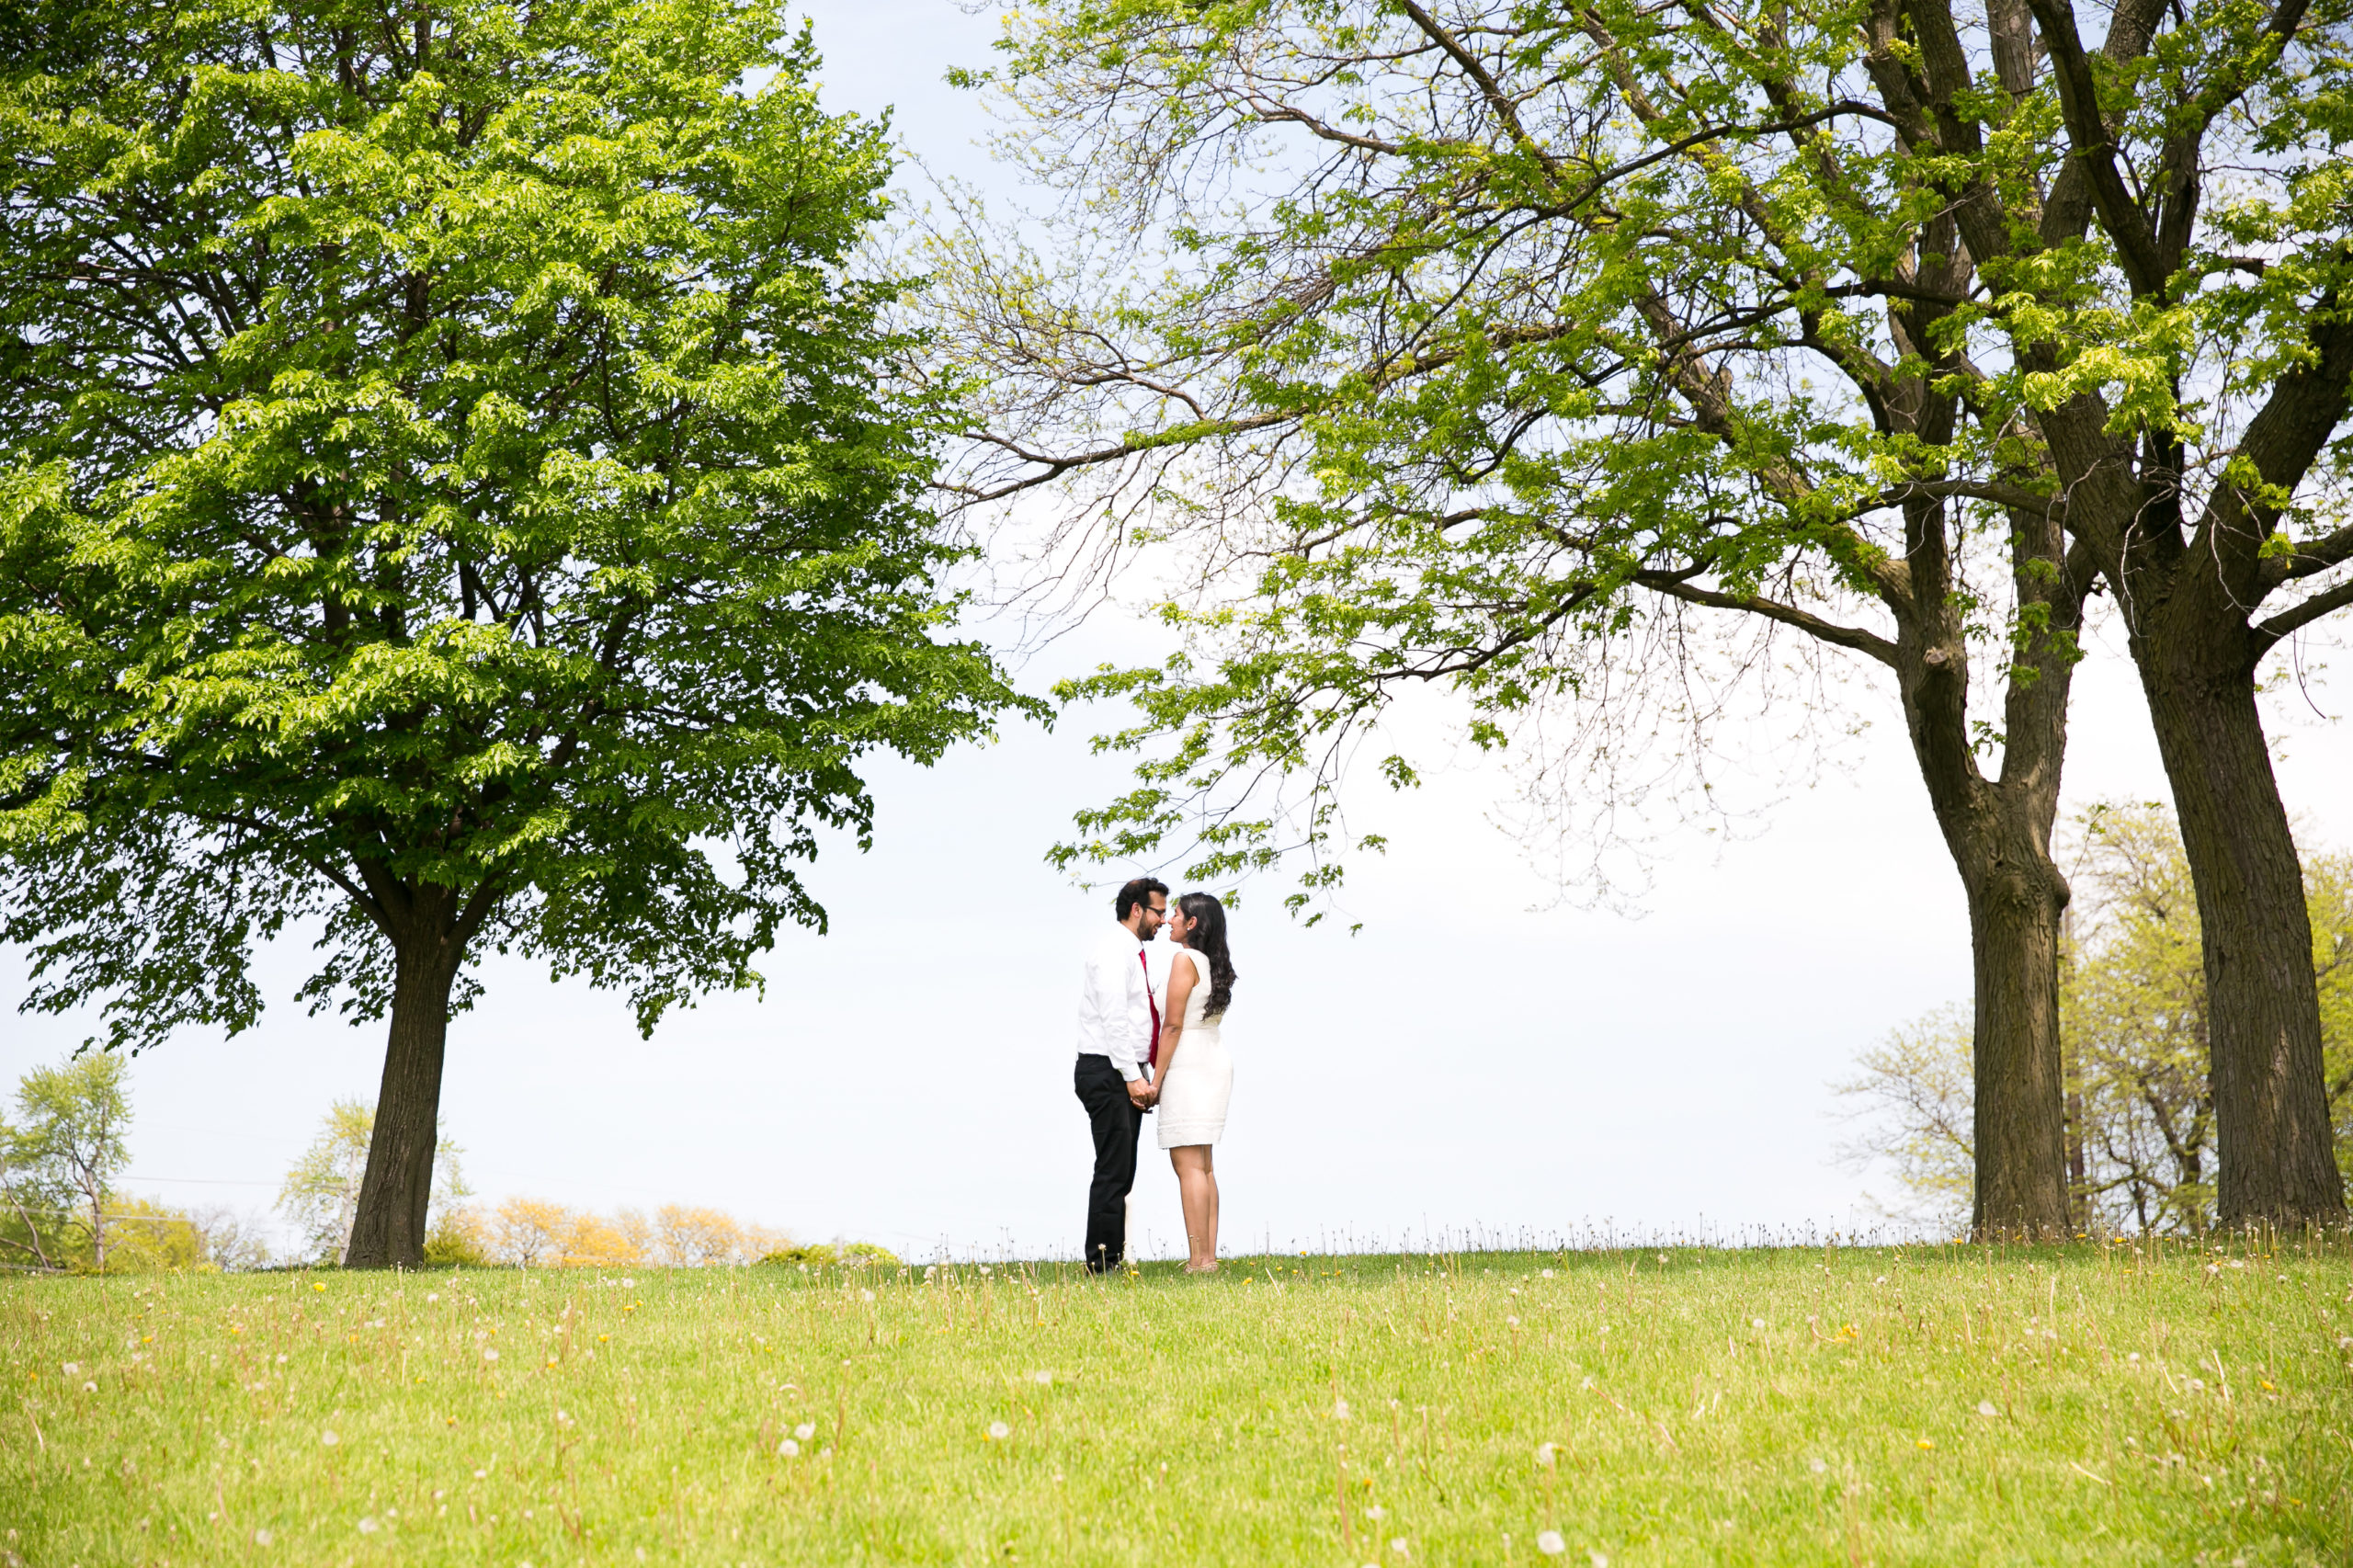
1115, 1002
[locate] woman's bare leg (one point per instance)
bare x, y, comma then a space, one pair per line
1197, 1187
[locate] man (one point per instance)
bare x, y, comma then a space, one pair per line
1118, 1027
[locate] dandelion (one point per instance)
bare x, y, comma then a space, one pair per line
866, 1295
1597, 1559
317, 1287
431, 1297
1376, 1512
89, 1388
489, 1353
367, 1527
1544, 1274
1756, 1323
628, 1284
1816, 1466
999, 1431
2133, 1356
1340, 1411
562, 1419
1544, 1455
1926, 1443
261, 1537
328, 1439
788, 1449
281, 1358
805, 1431
1550, 1544
2194, 1385
73, 1368
482, 1475
1661, 1258
1041, 1378
1512, 1321
1399, 1547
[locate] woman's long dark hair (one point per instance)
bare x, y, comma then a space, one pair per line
1206, 938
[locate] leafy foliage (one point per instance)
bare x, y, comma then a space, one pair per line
58, 1161
1455, 345
447, 496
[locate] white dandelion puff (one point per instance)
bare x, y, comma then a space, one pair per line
1376, 1512
261, 1537
1340, 1411
1985, 1408
73, 1368
866, 1295
1399, 1547
1816, 1466
999, 1431
787, 1449
1550, 1544
89, 1388
1544, 1455
367, 1525
329, 1439
1043, 1378
1756, 1323
805, 1431
1599, 1559
489, 1353
1544, 1274
628, 1284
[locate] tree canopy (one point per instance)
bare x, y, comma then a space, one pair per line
449, 501
1453, 341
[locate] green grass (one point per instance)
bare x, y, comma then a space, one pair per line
1923, 1405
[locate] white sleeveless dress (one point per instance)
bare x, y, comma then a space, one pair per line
1200, 1079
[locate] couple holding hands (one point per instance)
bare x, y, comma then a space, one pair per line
1148, 1041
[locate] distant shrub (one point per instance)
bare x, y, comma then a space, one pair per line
818, 1254
456, 1241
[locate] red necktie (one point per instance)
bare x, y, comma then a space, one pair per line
1151, 1058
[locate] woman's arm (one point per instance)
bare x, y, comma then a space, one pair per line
1172, 1012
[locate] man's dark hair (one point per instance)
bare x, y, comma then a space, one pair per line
1131, 894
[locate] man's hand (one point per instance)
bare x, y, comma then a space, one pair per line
1141, 1091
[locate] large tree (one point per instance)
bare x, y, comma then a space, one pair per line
1458, 340
450, 502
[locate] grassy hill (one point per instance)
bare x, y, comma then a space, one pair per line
2125, 1404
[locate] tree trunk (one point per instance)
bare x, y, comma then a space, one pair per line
2273, 1140
388, 1231
2017, 900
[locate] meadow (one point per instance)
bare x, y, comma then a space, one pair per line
2119, 1403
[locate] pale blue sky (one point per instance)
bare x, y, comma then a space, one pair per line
1461, 1062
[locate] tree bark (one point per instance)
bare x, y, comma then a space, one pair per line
2273, 1140
2016, 902
388, 1231
1998, 832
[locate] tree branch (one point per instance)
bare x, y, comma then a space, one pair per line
1856, 638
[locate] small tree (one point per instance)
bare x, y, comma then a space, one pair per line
321, 1193
1916, 1096
62, 1155
448, 499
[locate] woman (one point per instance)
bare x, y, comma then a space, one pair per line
1195, 1075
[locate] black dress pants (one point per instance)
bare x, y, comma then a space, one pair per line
1116, 1122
